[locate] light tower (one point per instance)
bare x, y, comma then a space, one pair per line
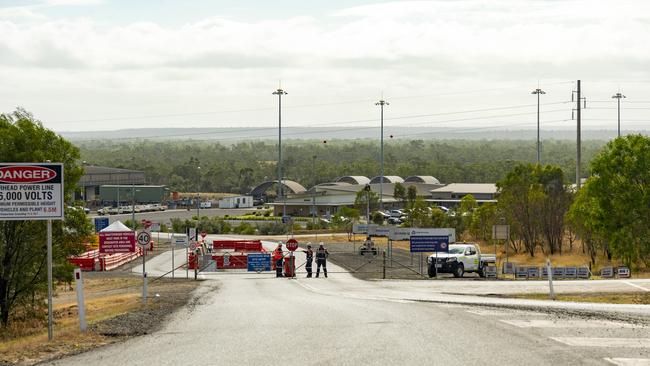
381, 105
539, 92
618, 97
280, 93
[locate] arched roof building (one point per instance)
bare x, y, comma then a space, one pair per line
387, 179
289, 186
422, 179
354, 179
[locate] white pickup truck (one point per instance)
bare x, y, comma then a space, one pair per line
461, 258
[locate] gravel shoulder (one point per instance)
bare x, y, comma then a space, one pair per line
114, 313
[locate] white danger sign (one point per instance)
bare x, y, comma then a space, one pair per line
31, 191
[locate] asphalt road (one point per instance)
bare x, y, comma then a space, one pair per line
259, 319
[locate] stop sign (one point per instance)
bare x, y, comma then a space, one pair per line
292, 244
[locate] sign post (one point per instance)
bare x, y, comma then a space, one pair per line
34, 191
144, 238
292, 245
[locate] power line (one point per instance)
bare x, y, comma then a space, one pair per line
330, 130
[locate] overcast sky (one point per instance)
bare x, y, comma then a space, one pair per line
105, 65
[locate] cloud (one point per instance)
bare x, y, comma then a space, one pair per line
73, 2
411, 46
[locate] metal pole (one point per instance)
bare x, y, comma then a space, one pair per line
198, 201
383, 253
144, 276
279, 93
313, 193
133, 204
187, 267
619, 116
578, 138
618, 96
538, 152
50, 317
381, 104
539, 92
368, 207
171, 241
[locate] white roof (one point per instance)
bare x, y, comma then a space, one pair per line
117, 226
489, 188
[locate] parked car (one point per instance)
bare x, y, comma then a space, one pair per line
382, 214
459, 259
395, 220
103, 211
396, 213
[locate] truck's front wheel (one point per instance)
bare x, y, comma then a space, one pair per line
459, 270
431, 270
481, 271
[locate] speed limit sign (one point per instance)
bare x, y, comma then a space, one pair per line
144, 238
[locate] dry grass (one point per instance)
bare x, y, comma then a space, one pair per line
642, 298
25, 342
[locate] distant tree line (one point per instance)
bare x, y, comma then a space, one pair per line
238, 167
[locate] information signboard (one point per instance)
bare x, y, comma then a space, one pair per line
429, 243
360, 228
449, 232
180, 240
257, 262
399, 233
31, 191
376, 230
117, 242
101, 223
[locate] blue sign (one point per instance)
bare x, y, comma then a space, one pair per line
101, 223
258, 262
429, 244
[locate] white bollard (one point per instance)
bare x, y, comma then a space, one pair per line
549, 270
78, 279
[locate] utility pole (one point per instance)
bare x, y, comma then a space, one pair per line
133, 204
618, 97
539, 92
381, 105
280, 93
578, 110
367, 189
198, 199
313, 191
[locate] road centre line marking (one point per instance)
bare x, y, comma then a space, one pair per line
561, 323
604, 342
505, 313
629, 361
637, 286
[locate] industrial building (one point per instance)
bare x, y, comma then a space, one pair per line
236, 202
96, 176
327, 198
115, 195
